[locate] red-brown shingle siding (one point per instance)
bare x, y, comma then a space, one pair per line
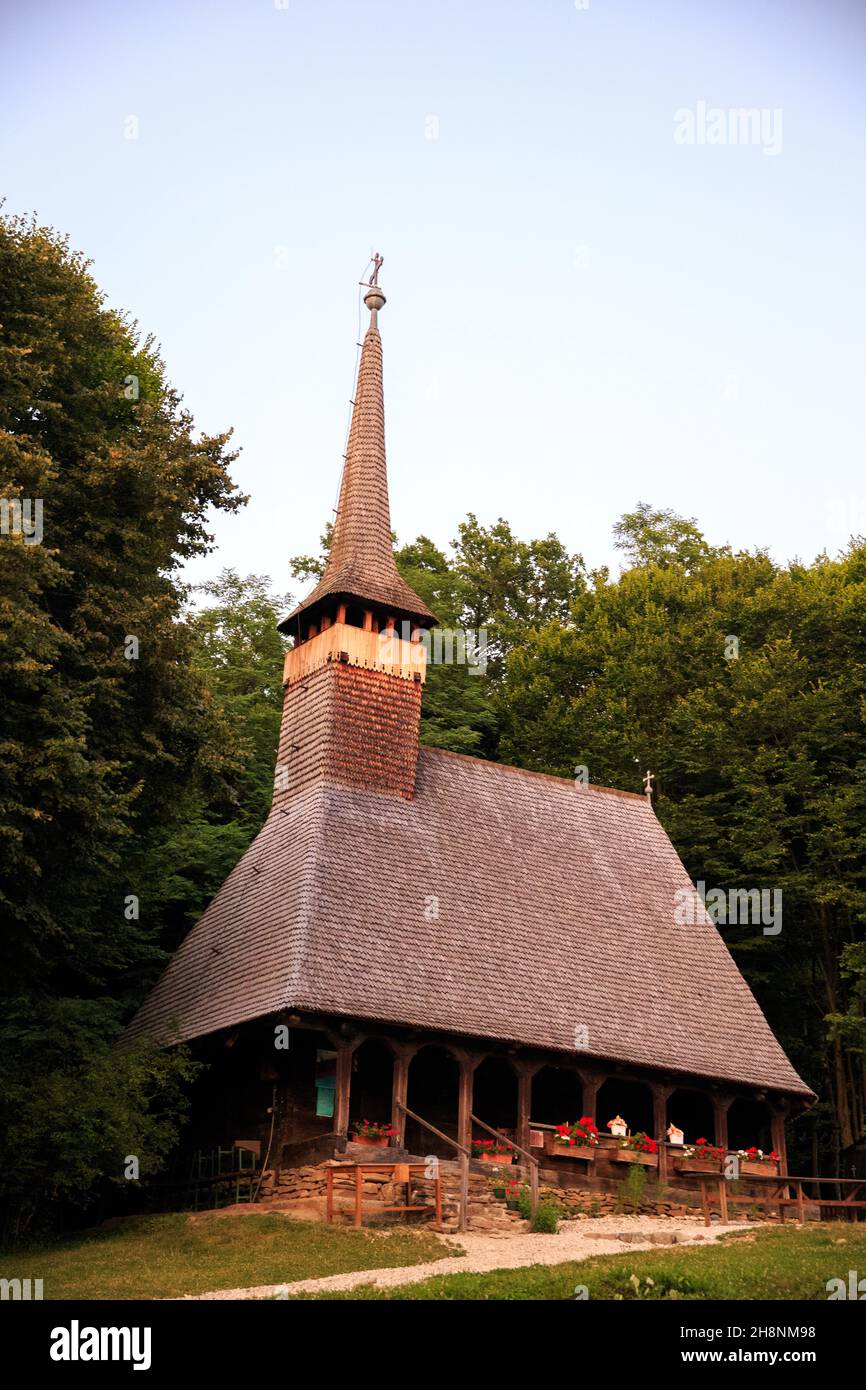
352, 726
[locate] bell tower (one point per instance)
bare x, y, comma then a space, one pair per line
353, 678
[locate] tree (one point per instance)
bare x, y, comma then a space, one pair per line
103, 717
651, 537
238, 653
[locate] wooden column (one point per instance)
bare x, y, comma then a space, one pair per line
660, 1123
525, 1072
721, 1105
592, 1083
777, 1132
345, 1052
403, 1055
467, 1062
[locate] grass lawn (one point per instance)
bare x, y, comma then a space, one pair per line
777, 1264
163, 1256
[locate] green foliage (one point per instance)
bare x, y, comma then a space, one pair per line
546, 1220
237, 654
624, 1285
651, 537
631, 1192
97, 748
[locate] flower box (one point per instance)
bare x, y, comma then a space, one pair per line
697, 1165
635, 1156
699, 1157
373, 1134
554, 1148
494, 1156
754, 1163
577, 1140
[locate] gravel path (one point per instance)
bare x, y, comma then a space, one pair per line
576, 1240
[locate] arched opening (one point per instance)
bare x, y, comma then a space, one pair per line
749, 1125
557, 1096
692, 1112
433, 1093
494, 1097
305, 1076
372, 1081
630, 1100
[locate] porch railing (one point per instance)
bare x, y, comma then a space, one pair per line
775, 1189
530, 1158
464, 1160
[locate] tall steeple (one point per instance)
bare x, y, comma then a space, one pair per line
360, 572
353, 679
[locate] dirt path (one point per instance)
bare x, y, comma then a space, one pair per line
576, 1240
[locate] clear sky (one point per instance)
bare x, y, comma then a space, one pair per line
583, 311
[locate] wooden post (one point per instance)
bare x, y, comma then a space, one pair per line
438, 1197
464, 1191
660, 1095
721, 1105
467, 1062
704, 1202
329, 1199
777, 1132
341, 612
723, 1201
801, 1206
400, 1087
592, 1083
525, 1072
359, 1183
344, 1085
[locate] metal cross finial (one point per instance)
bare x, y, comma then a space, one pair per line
648, 785
377, 263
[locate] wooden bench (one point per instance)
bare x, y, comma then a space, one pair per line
400, 1172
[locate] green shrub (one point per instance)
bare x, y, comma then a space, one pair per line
632, 1190
546, 1219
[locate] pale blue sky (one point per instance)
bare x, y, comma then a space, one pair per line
581, 312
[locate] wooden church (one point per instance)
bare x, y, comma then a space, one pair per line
414, 929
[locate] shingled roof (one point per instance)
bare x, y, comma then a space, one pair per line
361, 564
555, 911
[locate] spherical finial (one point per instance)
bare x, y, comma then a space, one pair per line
374, 298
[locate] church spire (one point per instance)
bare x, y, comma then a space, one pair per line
360, 570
